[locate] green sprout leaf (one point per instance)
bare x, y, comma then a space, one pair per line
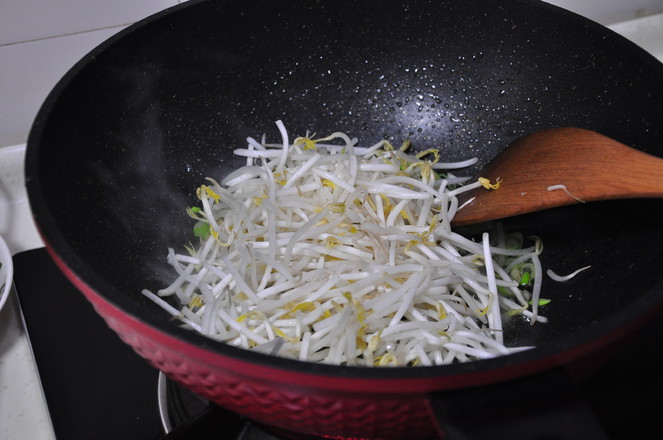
201, 229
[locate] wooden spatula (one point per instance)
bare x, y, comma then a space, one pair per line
557, 167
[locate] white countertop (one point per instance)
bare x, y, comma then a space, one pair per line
23, 413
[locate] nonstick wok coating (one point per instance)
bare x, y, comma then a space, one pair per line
123, 141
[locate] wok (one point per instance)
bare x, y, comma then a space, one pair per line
124, 139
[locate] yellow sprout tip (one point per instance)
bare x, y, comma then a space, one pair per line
486, 183
309, 144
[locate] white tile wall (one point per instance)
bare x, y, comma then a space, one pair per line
647, 32
25, 20
30, 71
41, 39
611, 11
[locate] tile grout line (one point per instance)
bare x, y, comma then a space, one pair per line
67, 34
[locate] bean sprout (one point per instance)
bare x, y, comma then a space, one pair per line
562, 278
326, 251
566, 190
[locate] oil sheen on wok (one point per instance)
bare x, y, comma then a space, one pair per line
323, 250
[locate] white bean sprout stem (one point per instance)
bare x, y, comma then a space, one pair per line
566, 190
323, 250
562, 278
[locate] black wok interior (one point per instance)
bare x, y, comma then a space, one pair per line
123, 141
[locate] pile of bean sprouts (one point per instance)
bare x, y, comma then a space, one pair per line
324, 251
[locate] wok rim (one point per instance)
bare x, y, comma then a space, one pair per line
555, 352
